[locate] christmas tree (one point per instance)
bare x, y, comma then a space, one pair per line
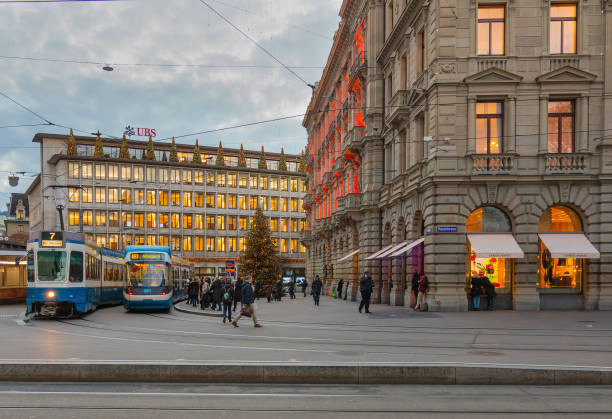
262, 159
98, 151
260, 259
241, 157
72, 148
220, 160
124, 152
150, 150
164, 157
173, 155
282, 161
302, 167
197, 158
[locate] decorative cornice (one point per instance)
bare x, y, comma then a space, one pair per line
409, 13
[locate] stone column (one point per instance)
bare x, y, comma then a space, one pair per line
509, 145
471, 124
543, 143
525, 281
381, 290
397, 292
582, 139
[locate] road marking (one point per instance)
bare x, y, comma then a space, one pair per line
124, 394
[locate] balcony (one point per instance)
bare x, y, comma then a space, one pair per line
398, 106
493, 164
353, 138
359, 66
566, 163
349, 203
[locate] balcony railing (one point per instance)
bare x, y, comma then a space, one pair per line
358, 64
349, 202
398, 105
486, 164
566, 162
353, 137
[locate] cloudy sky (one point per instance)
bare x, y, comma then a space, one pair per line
224, 91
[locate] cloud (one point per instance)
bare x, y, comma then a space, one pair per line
176, 101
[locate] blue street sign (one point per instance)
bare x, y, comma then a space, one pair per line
447, 229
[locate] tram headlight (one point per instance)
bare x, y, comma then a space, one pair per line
51, 294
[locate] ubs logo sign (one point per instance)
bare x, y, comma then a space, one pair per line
139, 132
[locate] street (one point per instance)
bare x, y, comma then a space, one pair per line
296, 331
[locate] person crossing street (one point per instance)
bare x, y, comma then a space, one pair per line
248, 302
366, 285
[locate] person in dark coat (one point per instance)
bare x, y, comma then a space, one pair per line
278, 290
476, 290
339, 289
192, 291
316, 287
423, 287
415, 285
292, 289
366, 286
228, 296
237, 293
217, 294
248, 302
304, 286
268, 292
490, 291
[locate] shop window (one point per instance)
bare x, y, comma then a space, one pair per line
561, 126
559, 274
489, 120
498, 270
491, 30
563, 29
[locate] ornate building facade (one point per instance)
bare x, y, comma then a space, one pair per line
487, 149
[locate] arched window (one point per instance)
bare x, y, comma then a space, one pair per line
488, 220
559, 219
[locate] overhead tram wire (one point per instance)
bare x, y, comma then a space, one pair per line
256, 43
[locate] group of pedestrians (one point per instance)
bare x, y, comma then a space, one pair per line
481, 285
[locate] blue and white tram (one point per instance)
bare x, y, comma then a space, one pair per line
148, 283
65, 275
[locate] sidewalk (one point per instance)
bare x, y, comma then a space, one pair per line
183, 307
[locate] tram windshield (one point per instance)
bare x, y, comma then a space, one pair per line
52, 266
147, 275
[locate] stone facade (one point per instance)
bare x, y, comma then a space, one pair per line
427, 169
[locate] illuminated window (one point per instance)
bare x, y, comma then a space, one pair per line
302, 225
113, 172
294, 225
301, 205
489, 120
253, 183
210, 244
175, 197
232, 222
263, 203
284, 204
100, 218
187, 177
151, 174
231, 244
74, 194
139, 173
232, 201
175, 176
139, 219
151, 220
294, 246
175, 221
176, 244
73, 170
151, 197
199, 199
163, 198
87, 194
187, 243
186, 199
127, 240
100, 171
491, 30
164, 218
163, 176
284, 184
113, 241
294, 185
74, 218
101, 241
243, 223
88, 218
221, 179
126, 196
210, 178
284, 246
139, 196
243, 181
126, 173
302, 185
242, 202
198, 221
164, 241
220, 200
220, 222
232, 180
273, 224
113, 218
561, 126
199, 244
294, 205
220, 244
253, 202
151, 240
87, 171
263, 182
241, 244
210, 200
563, 29
284, 224
187, 221
199, 177
274, 203
210, 222
273, 183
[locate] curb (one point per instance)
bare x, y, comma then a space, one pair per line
296, 373
199, 313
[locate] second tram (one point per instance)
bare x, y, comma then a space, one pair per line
148, 283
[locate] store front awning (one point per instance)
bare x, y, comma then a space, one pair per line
569, 245
495, 245
407, 248
375, 255
391, 250
348, 256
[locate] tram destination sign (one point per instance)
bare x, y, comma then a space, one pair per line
146, 256
52, 239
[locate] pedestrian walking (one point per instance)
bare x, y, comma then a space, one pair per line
304, 286
339, 289
248, 302
423, 288
490, 291
217, 294
237, 292
204, 288
366, 286
292, 290
228, 296
316, 287
415, 288
476, 290
278, 290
